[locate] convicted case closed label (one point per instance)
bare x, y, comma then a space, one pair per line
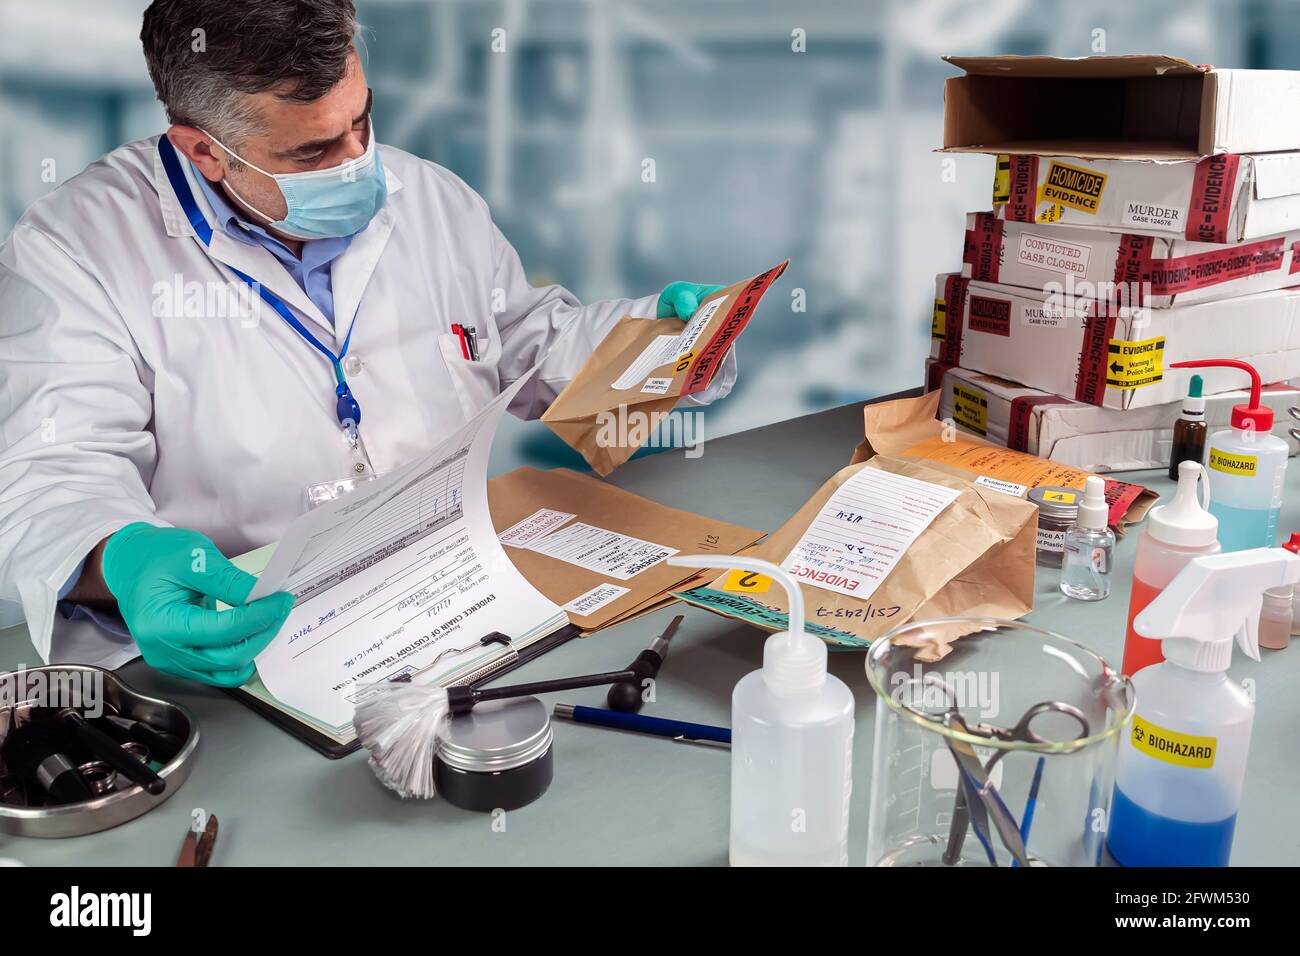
1074, 187
1181, 750
1233, 464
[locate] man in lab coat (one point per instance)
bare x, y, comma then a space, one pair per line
190, 329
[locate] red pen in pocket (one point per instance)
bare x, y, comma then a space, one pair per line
459, 331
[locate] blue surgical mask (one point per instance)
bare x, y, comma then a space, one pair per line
325, 203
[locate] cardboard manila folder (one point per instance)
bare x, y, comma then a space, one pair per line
974, 558
648, 366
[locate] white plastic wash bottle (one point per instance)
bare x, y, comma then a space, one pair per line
791, 744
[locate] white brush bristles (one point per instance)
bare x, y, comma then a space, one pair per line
401, 725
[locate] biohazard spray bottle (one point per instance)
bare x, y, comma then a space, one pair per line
1181, 765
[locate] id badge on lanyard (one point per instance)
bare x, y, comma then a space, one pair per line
346, 408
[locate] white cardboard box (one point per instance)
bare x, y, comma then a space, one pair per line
1114, 357
1095, 439
1157, 271
1118, 107
1225, 198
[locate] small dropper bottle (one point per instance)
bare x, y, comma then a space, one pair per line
1189, 430
1089, 547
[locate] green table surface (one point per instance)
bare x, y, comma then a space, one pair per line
621, 798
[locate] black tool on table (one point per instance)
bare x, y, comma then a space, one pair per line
41, 751
105, 748
163, 745
626, 694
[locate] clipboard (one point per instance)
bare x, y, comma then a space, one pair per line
326, 745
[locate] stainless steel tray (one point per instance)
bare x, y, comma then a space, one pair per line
128, 801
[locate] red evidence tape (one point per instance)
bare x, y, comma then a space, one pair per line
954, 297
1022, 200
1098, 330
1022, 414
707, 362
983, 247
1211, 200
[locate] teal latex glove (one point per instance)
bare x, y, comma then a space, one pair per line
165, 580
682, 299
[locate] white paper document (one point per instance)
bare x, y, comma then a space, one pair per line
661, 350
403, 577
609, 553
864, 529
541, 522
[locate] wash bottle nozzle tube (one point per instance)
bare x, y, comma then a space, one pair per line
791, 743
1181, 765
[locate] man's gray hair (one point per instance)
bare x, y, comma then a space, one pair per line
205, 56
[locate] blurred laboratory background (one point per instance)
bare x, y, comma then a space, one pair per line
776, 128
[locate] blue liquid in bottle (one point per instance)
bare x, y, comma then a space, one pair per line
1138, 837
1244, 528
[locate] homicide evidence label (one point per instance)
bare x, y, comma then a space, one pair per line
1072, 186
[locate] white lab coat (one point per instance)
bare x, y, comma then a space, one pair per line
130, 390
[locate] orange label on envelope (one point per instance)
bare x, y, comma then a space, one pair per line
1003, 463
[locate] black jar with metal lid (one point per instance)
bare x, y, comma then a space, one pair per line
496, 757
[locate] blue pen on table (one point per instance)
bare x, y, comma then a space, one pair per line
641, 724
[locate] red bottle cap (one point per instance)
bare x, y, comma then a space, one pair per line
1256, 415
1294, 544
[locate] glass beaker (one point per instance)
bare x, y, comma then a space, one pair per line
1042, 715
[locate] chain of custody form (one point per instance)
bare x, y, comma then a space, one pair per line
402, 578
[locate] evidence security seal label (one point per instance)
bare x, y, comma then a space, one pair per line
1233, 464
970, 408
1181, 750
1071, 186
1132, 364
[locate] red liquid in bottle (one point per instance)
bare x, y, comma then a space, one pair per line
1139, 651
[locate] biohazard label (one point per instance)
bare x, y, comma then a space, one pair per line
970, 408
1181, 750
1074, 187
1232, 464
1002, 180
990, 315
746, 582
1135, 364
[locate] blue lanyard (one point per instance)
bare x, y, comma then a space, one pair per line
346, 407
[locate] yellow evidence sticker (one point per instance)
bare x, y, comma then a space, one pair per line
746, 582
1062, 497
970, 408
939, 322
1132, 364
1181, 750
1002, 180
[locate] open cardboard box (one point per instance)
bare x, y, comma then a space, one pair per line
1152, 107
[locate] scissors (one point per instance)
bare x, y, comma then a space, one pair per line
978, 801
